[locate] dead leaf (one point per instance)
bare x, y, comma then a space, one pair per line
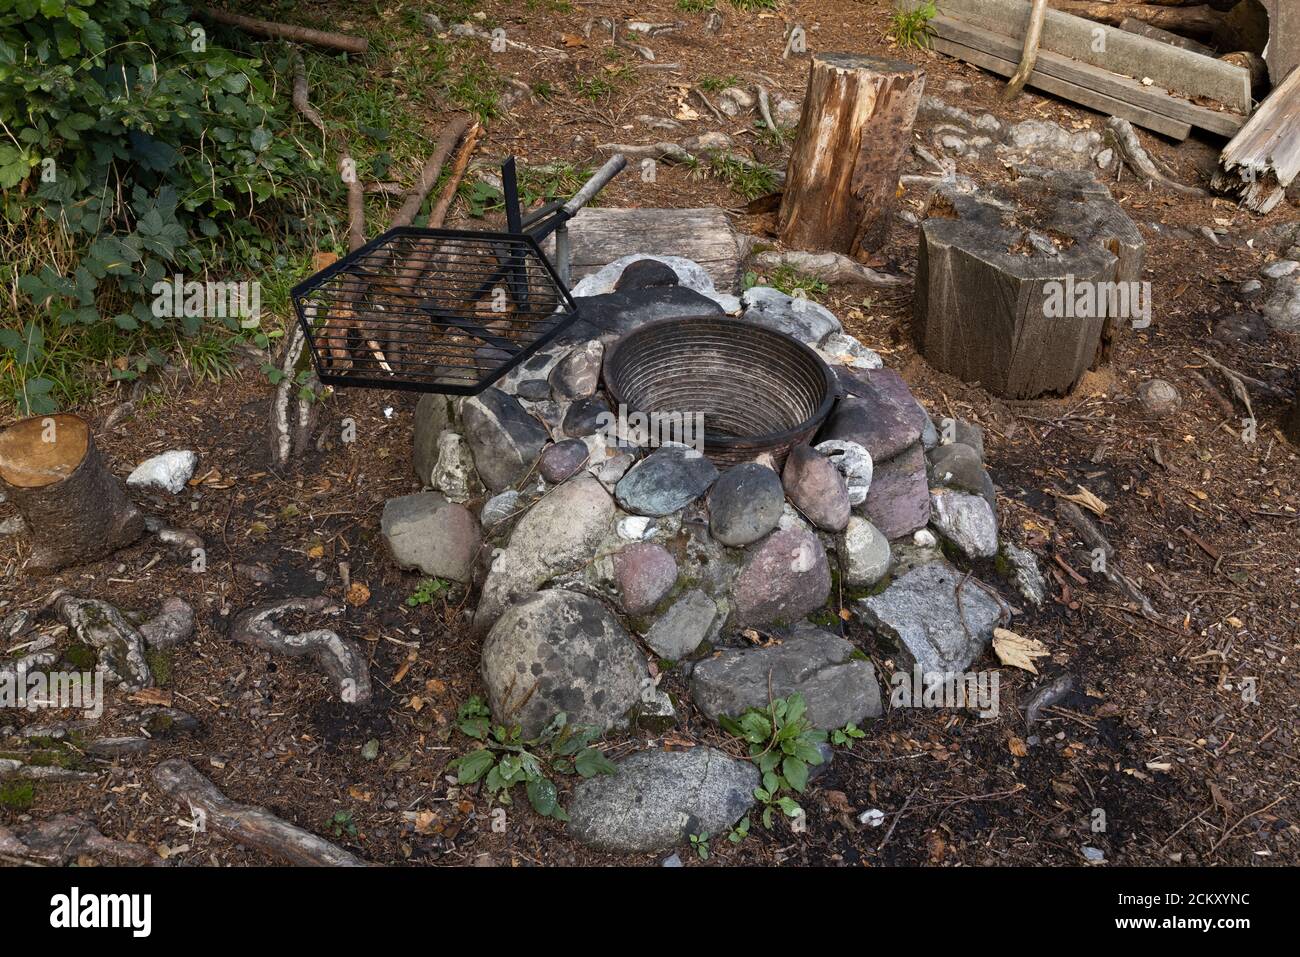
152, 696
1017, 651
572, 40
316, 551
358, 595
1018, 747
937, 847
1089, 501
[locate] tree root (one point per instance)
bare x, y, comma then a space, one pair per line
829, 267
340, 658
63, 839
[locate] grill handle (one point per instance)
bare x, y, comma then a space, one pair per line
613, 166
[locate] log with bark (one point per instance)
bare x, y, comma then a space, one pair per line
854, 132
284, 31
1194, 20
247, 824
74, 508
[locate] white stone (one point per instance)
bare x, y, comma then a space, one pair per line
864, 553
166, 473
854, 463
1276, 270
454, 475
635, 528
689, 274
965, 520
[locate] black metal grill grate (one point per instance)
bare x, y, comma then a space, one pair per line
432, 310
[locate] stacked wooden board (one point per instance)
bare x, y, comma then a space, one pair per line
1149, 83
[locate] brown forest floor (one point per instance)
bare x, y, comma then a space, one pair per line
1184, 769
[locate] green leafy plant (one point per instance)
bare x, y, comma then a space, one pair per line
911, 29
341, 824
790, 280
427, 591
506, 759
740, 831
700, 843
783, 744
845, 736
749, 178
696, 6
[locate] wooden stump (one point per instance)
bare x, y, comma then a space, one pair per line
843, 176
75, 508
1022, 288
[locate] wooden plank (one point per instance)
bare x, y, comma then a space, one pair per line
1057, 87
1130, 25
1110, 48
1112, 85
1283, 53
599, 235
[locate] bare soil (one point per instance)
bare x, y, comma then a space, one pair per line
1159, 737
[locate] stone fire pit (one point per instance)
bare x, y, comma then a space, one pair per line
591, 556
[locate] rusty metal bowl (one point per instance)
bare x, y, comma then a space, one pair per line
758, 390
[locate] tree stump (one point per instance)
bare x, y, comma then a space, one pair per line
76, 510
1023, 288
843, 175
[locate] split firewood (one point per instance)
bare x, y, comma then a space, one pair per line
438, 215
1033, 37
1263, 159
119, 643
340, 658
247, 824
1121, 136
828, 267
75, 510
285, 31
65, 838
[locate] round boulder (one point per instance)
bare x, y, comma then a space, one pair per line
644, 573
745, 504
558, 651
816, 487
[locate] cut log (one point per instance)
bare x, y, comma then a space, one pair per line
598, 236
246, 824
1022, 288
856, 127
75, 509
1197, 21
1264, 158
1109, 48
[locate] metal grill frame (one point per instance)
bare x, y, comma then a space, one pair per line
566, 314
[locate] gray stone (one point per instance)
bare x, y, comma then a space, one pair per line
612, 469
846, 350
920, 612
1158, 397
684, 626
646, 274
785, 578
563, 460
167, 472
644, 573
1245, 328
878, 412
434, 414
965, 520
584, 417
577, 374
1282, 308
504, 439
426, 532
1024, 575
1280, 268
745, 504
668, 479
13, 525
454, 475
690, 275
807, 321
854, 463
957, 465
499, 508
535, 390
559, 651
899, 501
838, 688
558, 535
864, 554
816, 487
660, 798
1250, 289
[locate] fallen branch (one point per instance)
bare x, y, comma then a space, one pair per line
669, 152
285, 31
451, 134
246, 824
1033, 36
1094, 538
300, 97
828, 267
340, 658
765, 107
